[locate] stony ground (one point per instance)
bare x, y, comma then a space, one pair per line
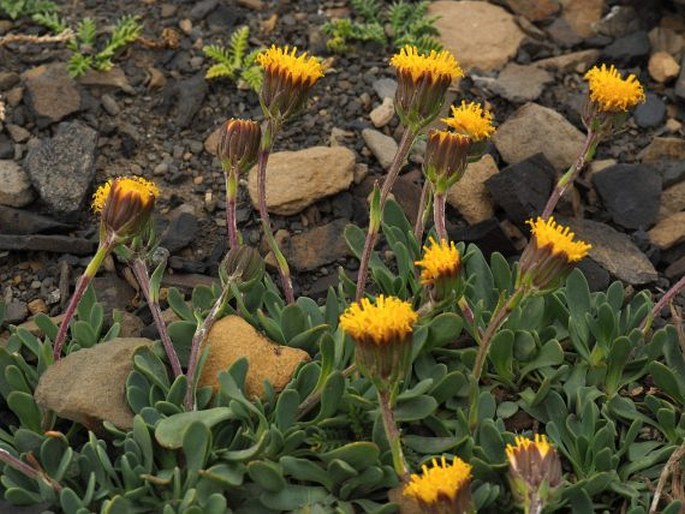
154, 115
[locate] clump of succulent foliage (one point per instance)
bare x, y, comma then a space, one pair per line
495, 352
86, 54
234, 61
407, 24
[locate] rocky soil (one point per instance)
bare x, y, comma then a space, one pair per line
155, 115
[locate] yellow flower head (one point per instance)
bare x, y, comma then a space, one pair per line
540, 444
610, 92
388, 320
549, 234
471, 120
422, 81
287, 79
434, 65
442, 483
301, 69
125, 204
440, 260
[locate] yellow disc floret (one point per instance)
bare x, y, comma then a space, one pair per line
137, 186
388, 320
442, 481
439, 260
302, 69
471, 120
434, 64
610, 92
559, 239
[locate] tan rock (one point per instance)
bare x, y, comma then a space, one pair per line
534, 10
232, 338
114, 78
212, 141
295, 180
382, 147
382, 114
532, 129
665, 39
663, 67
470, 196
582, 15
479, 34
16, 189
54, 94
664, 148
669, 231
672, 200
89, 385
574, 61
318, 246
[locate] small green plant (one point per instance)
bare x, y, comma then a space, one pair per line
233, 62
18, 8
85, 55
408, 22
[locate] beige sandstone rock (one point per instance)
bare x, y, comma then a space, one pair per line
232, 338
479, 34
470, 196
89, 385
534, 128
669, 231
295, 180
663, 67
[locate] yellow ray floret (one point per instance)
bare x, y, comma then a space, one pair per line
611, 92
439, 260
388, 320
559, 239
442, 480
303, 69
523, 444
471, 120
436, 64
139, 186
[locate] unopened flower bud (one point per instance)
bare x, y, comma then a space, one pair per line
446, 158
243, 265
125, 205
238, 146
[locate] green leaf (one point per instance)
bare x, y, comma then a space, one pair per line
83, 334
501, 354
268, 475
170, 432
228, 474
359, 455
432, 445
304, 470
293, 497
25, 408
551, 354
179, 305
445, 328
285, 413
197, 443
666, 380
416, 408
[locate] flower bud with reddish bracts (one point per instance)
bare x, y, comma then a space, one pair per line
238, 146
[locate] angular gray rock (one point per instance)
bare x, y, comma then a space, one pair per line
62, 168
519, 83
89, 386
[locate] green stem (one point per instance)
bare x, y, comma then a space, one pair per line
403, 148
81, 285
385, 405
231, 196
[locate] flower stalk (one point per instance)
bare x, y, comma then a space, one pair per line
386, 407
667, 297
104, 248
439, 204
33, 470
140, 271
406, 142
423, 214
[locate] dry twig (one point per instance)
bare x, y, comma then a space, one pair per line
62, 37
671, 468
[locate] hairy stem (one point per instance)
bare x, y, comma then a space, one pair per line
81, 285
663, 301
269, 131
231, 197
29, 471
439, 201
140, 271
586, 154
393, 435
201, 333
403, 148
424, 208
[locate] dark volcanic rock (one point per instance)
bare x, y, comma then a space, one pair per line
628, 50
630, 192
19, 221
614, 251
62, 168
597, 277
487, 235
185, 97
651, 113
318, 246
522, 189
181, 231
56, 244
